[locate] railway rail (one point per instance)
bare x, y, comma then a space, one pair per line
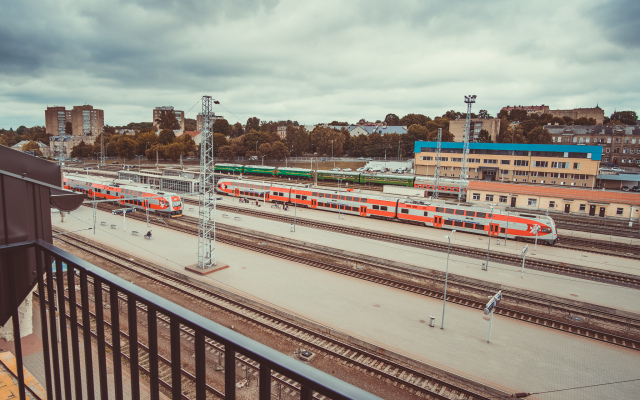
541, 265
411, 379
573, 317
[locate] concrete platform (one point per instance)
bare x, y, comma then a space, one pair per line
520, 357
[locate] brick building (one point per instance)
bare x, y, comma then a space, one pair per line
200, 121
55, 119
620, 143
491, 125
85, 120
596, 112
542, 109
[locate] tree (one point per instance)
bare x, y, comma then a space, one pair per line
144, 141
411, 119
336, 123
484, 137
297, 140
237, 146
188, 144
539, 135
325, 140
625, 117
452, 115
584, 121
567, 120
278, 151
167, 120
68, 128
218, 140
190, 124
253, 123
166, 137
237, 130
221, 126
226, 153
392, 120
82, 150
484, 114
511, 135
517, 115
359, 145
417, 133
126, 147
32, 146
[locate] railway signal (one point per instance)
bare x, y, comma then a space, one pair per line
490, 307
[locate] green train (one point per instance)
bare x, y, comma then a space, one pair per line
302, 173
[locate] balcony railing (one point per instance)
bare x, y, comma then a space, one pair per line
69, 369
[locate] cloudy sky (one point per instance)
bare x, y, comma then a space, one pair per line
314, 61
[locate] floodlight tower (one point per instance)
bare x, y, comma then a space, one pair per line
464, 171
207, 225
437, 174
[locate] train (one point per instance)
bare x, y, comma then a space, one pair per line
144, 198
464, 218
445, 186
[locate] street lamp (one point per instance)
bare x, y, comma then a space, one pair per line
486, 264
332, 159
446, 278
524, 253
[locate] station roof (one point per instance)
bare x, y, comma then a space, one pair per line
619, 177
596, 196
595, 151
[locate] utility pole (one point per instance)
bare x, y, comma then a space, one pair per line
464, 171
437, 174
206, 224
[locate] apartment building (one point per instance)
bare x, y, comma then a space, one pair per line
85, 120
541, 109
55, 119
200, 120
491, 125
159, 111
520, 163
620, 143
596, 112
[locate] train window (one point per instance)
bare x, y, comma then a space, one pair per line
383, 208
314, 194
502, 230
459, 212
334, 196
376, 207
448, 222
480, 226
458, 223
546, 230
481, 215
439, 209
426, 214
404, 211
489, 215
449, 211
471, 213
348, 198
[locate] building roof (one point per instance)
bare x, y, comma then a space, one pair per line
593, 196
18, 146
595, 151
191, 133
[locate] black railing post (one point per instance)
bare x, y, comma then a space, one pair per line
115, 341
265, 381
43, 320
176, 368
73, 314
15, 316
152, 335
102, 347
86, 334
229, 372
201, 371
132, 314
53, 331
62, 321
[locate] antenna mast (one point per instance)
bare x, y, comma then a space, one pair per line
206, 224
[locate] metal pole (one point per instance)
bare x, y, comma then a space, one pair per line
524, 255
535, 246
295, 214
490, 323
446, 278
486, 265
506, 232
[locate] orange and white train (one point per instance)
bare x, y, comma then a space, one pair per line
162, 203
463, 218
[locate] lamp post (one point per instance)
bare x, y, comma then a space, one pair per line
486, 264
256, 148
332, 159
524, 253
446, 278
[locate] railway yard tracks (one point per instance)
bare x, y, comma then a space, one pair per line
541, 265
422, 381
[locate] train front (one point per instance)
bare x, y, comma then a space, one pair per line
175, 206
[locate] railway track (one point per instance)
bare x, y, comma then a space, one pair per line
541, 265
408, 378
582, 319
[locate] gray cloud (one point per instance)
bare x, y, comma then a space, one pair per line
314, 61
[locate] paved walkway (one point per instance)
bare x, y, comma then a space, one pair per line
520, 357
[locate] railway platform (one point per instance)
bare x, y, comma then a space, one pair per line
520, 358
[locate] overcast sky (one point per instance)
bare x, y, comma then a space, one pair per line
314, 61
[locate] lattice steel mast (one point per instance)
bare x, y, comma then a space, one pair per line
437, 174
464, 171
207, 224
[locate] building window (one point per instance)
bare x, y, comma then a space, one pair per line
576, 165
489, 161
619, 211
541, 164
583, 207
532, 202
521, 173
488, 197
505, 162
502, 199
476, 196
521, 163
552, 204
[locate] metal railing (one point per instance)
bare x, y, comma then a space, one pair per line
61, 347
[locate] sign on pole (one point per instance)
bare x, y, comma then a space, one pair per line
490, 307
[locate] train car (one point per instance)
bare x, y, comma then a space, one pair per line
298, 173
479, 220
259, 170
339, 175
228, 168
383, 179
445, 186
243, 189
161, 203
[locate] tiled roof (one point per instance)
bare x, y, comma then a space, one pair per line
191, 133
596, 196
